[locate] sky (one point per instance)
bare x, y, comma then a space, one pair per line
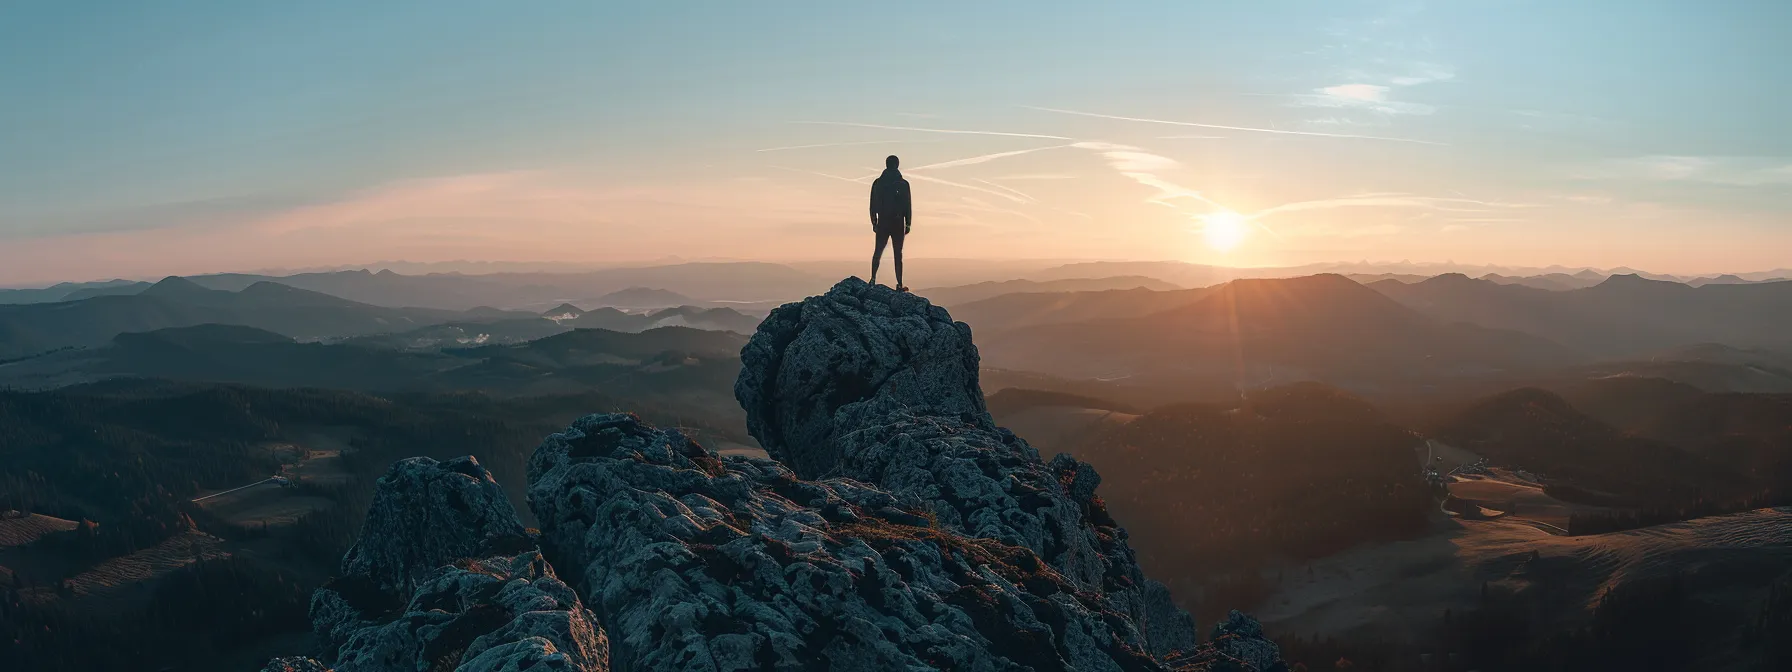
144, 139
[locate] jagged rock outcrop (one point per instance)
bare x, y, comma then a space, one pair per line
882, 387
444, 577
908, 532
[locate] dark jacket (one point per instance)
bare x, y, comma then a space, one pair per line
890, 204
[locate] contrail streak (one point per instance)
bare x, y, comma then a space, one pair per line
991, 192
820, 174
1236, 128
932, 130
983, 158
839, 144
1011, 190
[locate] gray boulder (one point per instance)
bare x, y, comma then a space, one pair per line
880, 386
499, 613
426, 514
444, 577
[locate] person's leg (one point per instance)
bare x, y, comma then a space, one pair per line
896, 251
878, 254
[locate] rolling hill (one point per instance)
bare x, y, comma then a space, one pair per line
1310, 471
1538, 430
715, 319
1750, 434
1624, 316
1012, 311
952, 297
665, 363
642, 297
68, 291
1253, 332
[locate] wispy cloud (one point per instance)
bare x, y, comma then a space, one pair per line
817, 173
1006, 188
1735, 171
1419, 72
1439, 204
979, 205
1234, 128
1379, 55
1144, 167
1368, 93
841, 144
933, 130
1192, 137
1371, 97
1335, 230
1588, 199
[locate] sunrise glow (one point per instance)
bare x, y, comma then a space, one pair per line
1224, 230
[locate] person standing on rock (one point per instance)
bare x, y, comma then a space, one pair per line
891, 215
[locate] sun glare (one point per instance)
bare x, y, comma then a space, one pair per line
1224, 230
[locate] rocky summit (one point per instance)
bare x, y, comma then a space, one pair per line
880, 387
897, 528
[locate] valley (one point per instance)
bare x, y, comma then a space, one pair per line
1407, 465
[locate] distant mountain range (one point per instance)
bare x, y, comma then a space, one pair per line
1623, 316
67, 291
671, 285
681, 366
179, 302
1550, 277
309, 315
763, 285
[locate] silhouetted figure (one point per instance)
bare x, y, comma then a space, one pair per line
891, 216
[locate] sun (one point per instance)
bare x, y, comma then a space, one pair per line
1224, 230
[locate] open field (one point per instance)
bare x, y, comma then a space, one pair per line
1052, 429
314, 459
116, 583
18, 528
1394, 590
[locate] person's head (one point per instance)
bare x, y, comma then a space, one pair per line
891, 161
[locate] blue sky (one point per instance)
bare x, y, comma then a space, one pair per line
179, 137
